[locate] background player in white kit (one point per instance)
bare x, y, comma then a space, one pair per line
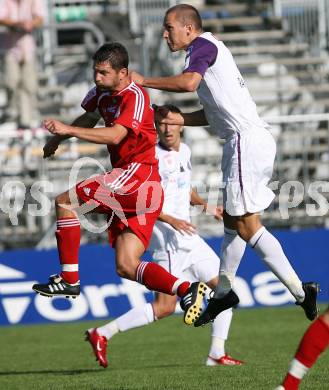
248, 154
177, 248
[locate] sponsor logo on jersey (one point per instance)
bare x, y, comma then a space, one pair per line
241, 82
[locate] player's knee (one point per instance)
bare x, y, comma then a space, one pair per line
62, 199
125, 271
244, 232
126, 268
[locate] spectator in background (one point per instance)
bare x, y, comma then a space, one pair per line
20, 17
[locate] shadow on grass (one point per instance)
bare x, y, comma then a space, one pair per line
56, 372
83, 371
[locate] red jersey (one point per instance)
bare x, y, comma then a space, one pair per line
130, 108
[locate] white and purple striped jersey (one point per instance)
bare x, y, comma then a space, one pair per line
225, 98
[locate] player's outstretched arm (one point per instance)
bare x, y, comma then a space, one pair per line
103, 135
195, 118
85, 120
184, 82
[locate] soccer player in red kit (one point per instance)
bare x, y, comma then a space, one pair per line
131, 194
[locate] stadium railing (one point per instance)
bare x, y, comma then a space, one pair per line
308, 20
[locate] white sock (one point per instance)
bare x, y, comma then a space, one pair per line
134, 318
217, 348
297, 369
231, 252
219, 333
108, 330
270, 251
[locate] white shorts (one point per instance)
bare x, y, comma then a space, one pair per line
199, 264
247, 166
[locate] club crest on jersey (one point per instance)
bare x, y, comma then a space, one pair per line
241, 82
86, 190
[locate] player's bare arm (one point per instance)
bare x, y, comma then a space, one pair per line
195, 118
27, 26
216, 211
184, 82
88, 119
30, 25
102, 135
178, 224
10, 23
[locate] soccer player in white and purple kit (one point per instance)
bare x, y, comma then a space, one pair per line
248, 155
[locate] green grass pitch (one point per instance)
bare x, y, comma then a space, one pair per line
166, 355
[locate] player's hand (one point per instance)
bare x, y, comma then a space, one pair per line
216, 211
183, 227
137, 78
27, 26
162, 114
50, 147
56, 127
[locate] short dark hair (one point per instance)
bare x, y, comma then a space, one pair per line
186, 14
173, 108
114, 53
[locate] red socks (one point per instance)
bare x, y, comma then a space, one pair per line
290, 382
182, 288
314, 341
156, 278
152, 275
68, 243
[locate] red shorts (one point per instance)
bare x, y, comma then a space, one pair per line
131, 196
